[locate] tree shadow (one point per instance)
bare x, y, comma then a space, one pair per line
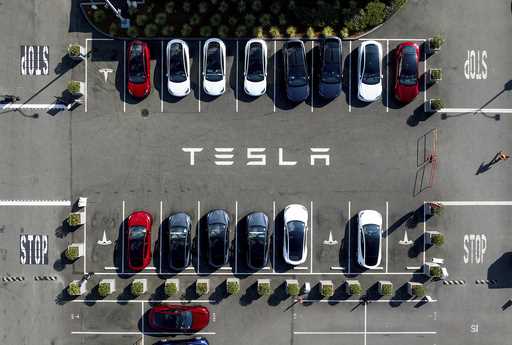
250, 295
64, 297
60, 264
419, 115
417, 247
278, 296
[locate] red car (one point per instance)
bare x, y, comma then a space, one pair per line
139, 240
178, 318
407, 61
139, 75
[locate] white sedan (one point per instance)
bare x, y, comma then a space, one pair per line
369, 71
369, 239
214, 67
295, 248
255, 68
178, 68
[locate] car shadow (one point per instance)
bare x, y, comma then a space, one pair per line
352, 80
277, 92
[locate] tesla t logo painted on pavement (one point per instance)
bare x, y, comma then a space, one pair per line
256, 156
105, 72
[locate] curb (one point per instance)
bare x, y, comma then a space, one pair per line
39, 278
454, 282
13, 279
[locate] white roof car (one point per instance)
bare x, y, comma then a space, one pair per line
178, 68
369, 71
295, 239
214, 67
255, 68
369, 238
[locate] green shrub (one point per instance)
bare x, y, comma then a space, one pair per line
264, 289
437, 240
132, 11
186, 30
256, 5
205, 31
223, 7
161, 18
282, 19
195, 19
275, 8
375, 13
232, 21
151, 30
419, 290
292, 5
71, 253
233, 287
170, 289
344, 32
436, 42
293, 289
250, 20
356, 289
242, 6
74, 49
201, 288
149, 9
387, 289
436, 74
274, 32
74, 289
258, 32
265, 20
327, 291
170, 7
186, 7
241, 31
137, 288
396, 4
328, 31
215, 20
167, 30
223, 31
113, 30
203, 7
436, 104
141, 19
74, 87
311, 33
104, 289
132, 31
214, 2
436, 272
99, 16
291, 31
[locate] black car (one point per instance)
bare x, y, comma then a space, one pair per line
180, 240
257, 240
296, 75
329, 85
218, 237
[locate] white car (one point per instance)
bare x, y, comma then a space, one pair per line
295, 239
214, 67
255, 68
178, 68
369, 71
369, 238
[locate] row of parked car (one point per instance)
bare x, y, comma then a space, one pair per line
256, 242
369, 69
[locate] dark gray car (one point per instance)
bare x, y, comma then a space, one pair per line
180, 240
329, 85
218, 237
258, 234
296, 71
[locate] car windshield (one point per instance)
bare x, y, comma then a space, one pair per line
372, 239
296, 66
213, 62
296, 231
331, 71
177, 72
178, 232
371, 71
181, 320
255, 71
408, 67
137, 70
137, 232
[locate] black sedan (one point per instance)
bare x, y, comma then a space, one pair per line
218, 237
329, 85
180, 240
258, 234
296, 75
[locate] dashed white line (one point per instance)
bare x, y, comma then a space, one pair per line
199, 73
162, 77
349, 83
387, 76
124, 76
387, 233
366, 333
236, 79
86, 58
142, 320
35, 203
274, 93
160, 238
475, 203
85, 240
476, 110
51, 106
312, 75
349, 231
198, 236
365, 321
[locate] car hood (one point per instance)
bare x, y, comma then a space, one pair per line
329, 90
406, 93
255, 88
214, 88
298, 93
179, 89
138, 90
179, 219
201, 318
370, 217
140, 218
370, 93
296, 212
257, 219
218, 217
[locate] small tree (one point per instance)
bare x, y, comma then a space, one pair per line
216, 20
104, 289
435, 105
355, 289
275, 8
250, 20
223, 31
436, 74
437, 240
141, 19
161, 18
311, 33
266, 19
202, 288
327, 290
258, 32
195, 19
344, 32
205, 31
264, 289
132, 31
99, 16
436, 42
113, 29
240, 31
419, 290
223, 7
170, 289
291, 31
71, 253
436, 272
74, 50
74, 288
233, 286
256, 5
274, 32
327, 31
170, 7
74, 88
186, 30
387, 289
292, 288
137, 288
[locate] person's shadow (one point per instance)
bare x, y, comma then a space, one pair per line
487, 166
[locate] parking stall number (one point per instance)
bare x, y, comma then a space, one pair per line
475, 65
33, 249
34, 60
475, 246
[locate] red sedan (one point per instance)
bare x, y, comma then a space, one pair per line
178, 318
139, 240
407, 61
139, 75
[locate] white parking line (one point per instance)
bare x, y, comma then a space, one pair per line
300, 268
137, 333
142, 320
274, 93
160, 238
476, 110
373, 301
387, 234
122, 238
264, 273
311, 236
337, 268
424, 242
110, 268
198, 236
151, 268
199, 73
312, 78
393, 39
424, 78
365, 321
387, 76
349, 86
162, 77
85, 95
474, 203
349, 231
236, 79
413, 267
124, 76
144, 301
35, 203
274, 233
51, 106
85, 239
365, 333
225, 268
